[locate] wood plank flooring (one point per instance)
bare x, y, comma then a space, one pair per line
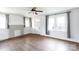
35, 42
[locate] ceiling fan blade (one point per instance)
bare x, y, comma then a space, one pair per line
35, 11
38, 11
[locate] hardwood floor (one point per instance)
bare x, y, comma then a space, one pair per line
35, 42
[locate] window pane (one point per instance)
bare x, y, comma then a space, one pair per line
2, 21
36, 24
51, 23
27, 22
61, 23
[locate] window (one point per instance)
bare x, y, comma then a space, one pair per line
57, 22
27, 22
57, 25
61, 22
2, 21
36, 24
51, 23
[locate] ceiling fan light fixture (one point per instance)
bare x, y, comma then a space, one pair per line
35, 11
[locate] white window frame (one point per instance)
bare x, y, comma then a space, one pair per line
3, 15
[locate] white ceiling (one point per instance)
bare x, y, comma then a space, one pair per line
24, 10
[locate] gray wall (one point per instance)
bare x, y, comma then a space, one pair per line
74, 23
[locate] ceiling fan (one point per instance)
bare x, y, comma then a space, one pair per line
35, 10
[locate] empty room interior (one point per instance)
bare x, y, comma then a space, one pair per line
39, 28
